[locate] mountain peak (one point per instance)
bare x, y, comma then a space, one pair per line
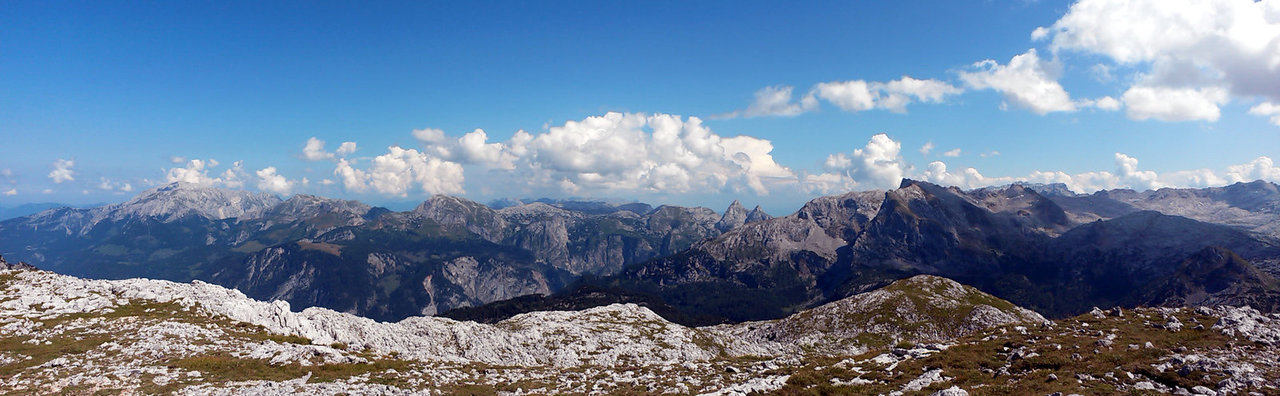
757, 214
176, 200
922, 308
734, 216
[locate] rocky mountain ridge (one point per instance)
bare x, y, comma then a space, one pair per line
1057, 252
1012, 241
198, 319
924, 335
446, 253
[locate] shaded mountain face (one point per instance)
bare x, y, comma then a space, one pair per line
313, 251
1012, 242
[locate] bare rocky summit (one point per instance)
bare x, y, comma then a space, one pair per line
73, 335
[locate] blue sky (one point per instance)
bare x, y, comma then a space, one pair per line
95, 96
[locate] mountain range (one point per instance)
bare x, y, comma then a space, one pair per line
1039, 246
312, 251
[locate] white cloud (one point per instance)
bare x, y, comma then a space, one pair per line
1026, 81
346, 148
658, 152
11, 192
877, 165
1132, 177
991, 153
47, 191
775, 101
197, 172
429, 135
62, 171
233, 177
194, 173
313, 150
827, 183
473, 148
106, 184
859, 95
400, 170
1261, 168
615, 152
926, 148
327, 182
1267, 109
1174, 104
968, 178
269, 180
353, 179
177, 159
952, 153
1203, 52
6, 172
1107, 103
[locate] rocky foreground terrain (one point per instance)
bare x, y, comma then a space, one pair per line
923, 335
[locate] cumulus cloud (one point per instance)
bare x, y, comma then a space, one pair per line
1105, 103
775, 101
1267, 109
1174, 104
936, 172
860, 95
1199, 51
877, 165
926, 148
1132, 177
62, 171
473, 148
658, 152
106, 184
429, 135
401, 170
197, 171
346, 148
11, 192
177, 159
1261, 168
617, 152
1027, 81
952, 153
269, 180
313, 150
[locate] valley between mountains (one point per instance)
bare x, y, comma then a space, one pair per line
915, 290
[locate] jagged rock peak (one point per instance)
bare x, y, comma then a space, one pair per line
734, 216
179, 199
757, 214
21, 265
